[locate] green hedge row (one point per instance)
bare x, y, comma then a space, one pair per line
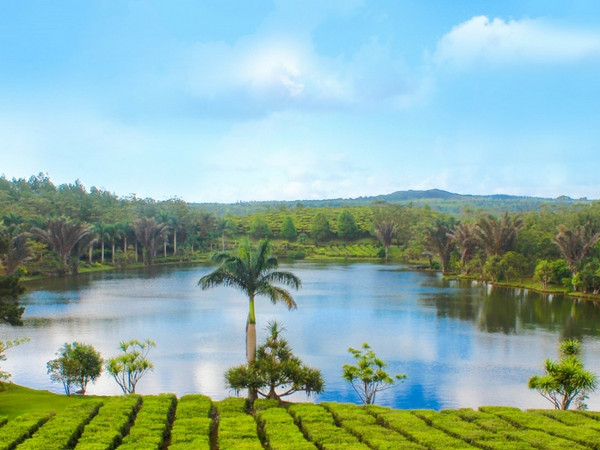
192, 425
572, 418
582, 435
63, 430
318, 426
112, 422
151, 427
20, 428
237, 429
415, 429
365, 427
453, 424
279, 430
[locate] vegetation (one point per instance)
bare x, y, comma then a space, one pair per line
47, 230
276, 372
565, 380
368, 376
254, 272
128, 368
5, 345
196, 422
10, 310
76, 366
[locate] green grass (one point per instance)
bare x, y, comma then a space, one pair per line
16, 400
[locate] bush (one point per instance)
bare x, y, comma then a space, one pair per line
21, 428
151, 425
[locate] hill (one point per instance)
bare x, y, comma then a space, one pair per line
436, 199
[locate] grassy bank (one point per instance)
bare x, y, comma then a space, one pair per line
39, 419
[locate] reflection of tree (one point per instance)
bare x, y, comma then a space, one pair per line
511, 311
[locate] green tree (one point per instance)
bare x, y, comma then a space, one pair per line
368, 376
259, 229
288, 229
320, 229
565, 380
5, 345
128, 368
77, 365
276, 371
385, 227
543, 273
346, 226
497, 235
438, 239
254, 272
10, 310
576, 243
465, 238
62, 235
150, 234
513, 265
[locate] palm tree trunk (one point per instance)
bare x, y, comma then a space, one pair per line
90, 250
112, 254
223, 242
165, 249
102, 254
251, 343
174, 242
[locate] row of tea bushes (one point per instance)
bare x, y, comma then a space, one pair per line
111, 423
195, 422
63, 430
365, 427
151, 427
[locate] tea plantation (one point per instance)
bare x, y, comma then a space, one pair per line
195, 422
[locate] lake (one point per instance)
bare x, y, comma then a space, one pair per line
461, 344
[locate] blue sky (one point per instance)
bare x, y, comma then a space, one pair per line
280, 100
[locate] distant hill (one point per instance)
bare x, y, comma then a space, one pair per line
437, 199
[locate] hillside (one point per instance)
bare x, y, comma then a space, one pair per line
437, 199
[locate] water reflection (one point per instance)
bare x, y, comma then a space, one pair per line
512, 311
462, 344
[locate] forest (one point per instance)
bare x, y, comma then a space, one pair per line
48, 230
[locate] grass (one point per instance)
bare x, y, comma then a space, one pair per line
16, 400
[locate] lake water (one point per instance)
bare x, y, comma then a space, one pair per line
461, 344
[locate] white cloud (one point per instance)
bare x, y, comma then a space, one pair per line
482, 40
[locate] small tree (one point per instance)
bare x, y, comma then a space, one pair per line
320, 229
10, 310
5, 345
543, 273
77, 365
275, 372
288, 229
346, 226
259, 229
368, 376
128, 368
565, 380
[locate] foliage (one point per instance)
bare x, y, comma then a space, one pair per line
254, 272
438, 239
260, 229
288, 229
151, 426
368, 376
565, 380
346, 226
385, 227
77, 365
5, 345
10, 290
576, 243
276, 371
128, 368
543, 272
320, 230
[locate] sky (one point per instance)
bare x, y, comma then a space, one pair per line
227, 101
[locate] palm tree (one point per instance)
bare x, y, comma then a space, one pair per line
466, 239
150, 234
253, 272
18, 251
62, 235
497, 235
575, 243
438, 239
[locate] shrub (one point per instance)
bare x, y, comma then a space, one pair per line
20, 428
151, 424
